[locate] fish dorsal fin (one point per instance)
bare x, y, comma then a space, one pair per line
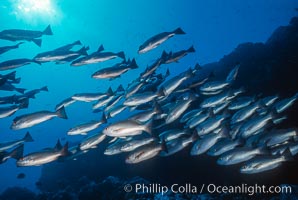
100, 48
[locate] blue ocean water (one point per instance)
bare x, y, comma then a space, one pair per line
214, 27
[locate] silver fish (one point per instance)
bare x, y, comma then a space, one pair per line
127, 128
28, 120
42, 157
158, 39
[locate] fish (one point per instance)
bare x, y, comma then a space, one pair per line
103, 102
10, 87
169, 86
268, 101
178, 144
10, 110
42, 157
198, 119
133, 89
219, 99
32, 93
267, 163
115, 111
210, 124
88, 97
97, 57
173, 134
145, 116
115, 148
83, 129
16, 63
152, 68
218, 86
66, 102
27, 35
191, 114
32, 119
224, 145
280, 136
176, 56
141, 98
134, 144
11, 144
16, 154
127, 128
158, 39
284, 104
60, 55
68, 46
115, 71
253, 125
244, 113
112, 103
146, 152
241, 103
91, 141
241, 154
202, 145
179, 109
8, 48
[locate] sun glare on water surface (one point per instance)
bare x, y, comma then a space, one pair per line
34, 11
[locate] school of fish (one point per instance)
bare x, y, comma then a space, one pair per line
165, 114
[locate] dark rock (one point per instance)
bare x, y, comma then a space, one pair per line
17, 193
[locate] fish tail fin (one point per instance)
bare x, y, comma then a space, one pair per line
121, 54
110, 92
157, 108
17, 81
161, 93
264, 150
37, 42
189, 73
64, 151
78, 42
164, 56
179, 31
83, 51
224, 133
61, 113
120, 88
233, 74
20, 90
287, 155
133, 64
17, 153
167, 73
164, 146
11, 75
191, 49
104, 118
28, 138
45, 88
198, 66
58, 146
48, 31
24, 103
148, 127
100, 48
